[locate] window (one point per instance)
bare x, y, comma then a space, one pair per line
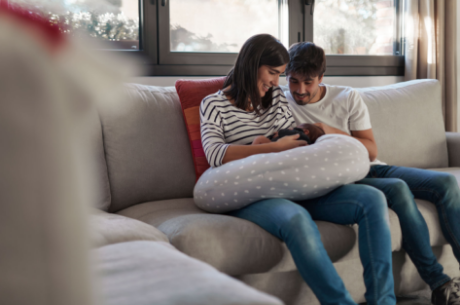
116, 24
211, 32
222, 32
360, 37
203, 37
355, 27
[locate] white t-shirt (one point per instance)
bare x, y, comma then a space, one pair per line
341, 108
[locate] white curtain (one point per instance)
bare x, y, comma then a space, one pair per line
431, 46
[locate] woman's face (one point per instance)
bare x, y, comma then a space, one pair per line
268, 77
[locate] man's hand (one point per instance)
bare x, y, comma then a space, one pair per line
328, 129
290, 142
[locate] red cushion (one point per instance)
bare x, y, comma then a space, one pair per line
191, 93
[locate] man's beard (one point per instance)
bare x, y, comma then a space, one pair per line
309, 96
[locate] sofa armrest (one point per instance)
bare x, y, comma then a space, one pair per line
453, 148
107, 228
143, 272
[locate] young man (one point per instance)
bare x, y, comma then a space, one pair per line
341, 110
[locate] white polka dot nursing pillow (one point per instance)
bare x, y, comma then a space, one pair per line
302, 173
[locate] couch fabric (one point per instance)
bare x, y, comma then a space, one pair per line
407, 118
151, 177
102, 187
146, 273
109, 228
146, 147
453, 146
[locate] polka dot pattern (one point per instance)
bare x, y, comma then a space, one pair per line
297, 174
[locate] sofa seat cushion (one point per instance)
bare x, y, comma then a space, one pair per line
236, 246
144, 273
232, 245
107, 228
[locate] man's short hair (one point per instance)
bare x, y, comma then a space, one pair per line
306, 59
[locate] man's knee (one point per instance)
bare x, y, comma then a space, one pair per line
398, 187
372, 197
373, 205
400, 198
445, 182
446, 187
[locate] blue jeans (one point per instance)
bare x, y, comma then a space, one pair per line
400, 185
293, 223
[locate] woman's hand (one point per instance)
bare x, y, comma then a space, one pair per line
290, 142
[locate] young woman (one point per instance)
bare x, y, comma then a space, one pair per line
250, 105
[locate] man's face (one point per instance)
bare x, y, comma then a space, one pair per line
304, 90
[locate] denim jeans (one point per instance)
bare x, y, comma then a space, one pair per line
293, 223
400, 185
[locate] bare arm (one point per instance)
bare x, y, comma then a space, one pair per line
329, 129
367, 138
236, 152
364, 136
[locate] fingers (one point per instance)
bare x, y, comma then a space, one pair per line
295, 136
290, 142
299, 142
296, 142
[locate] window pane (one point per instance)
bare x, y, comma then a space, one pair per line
355, 26
224, 25
113, 21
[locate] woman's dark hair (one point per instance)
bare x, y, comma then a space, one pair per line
307, 59
257, 51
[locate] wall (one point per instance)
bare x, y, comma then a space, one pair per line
352, 81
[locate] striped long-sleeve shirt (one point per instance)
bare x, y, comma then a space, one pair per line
223, 124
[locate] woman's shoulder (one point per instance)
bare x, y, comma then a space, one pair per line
215, 102
217, 97
278, 96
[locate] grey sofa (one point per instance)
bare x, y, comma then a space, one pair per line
145, 172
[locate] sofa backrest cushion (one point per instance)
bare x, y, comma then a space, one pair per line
101, 185
146, 147
408, 124
191, 93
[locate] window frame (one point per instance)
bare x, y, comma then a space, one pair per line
361, 65
167, 63
158, 61
191, 58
